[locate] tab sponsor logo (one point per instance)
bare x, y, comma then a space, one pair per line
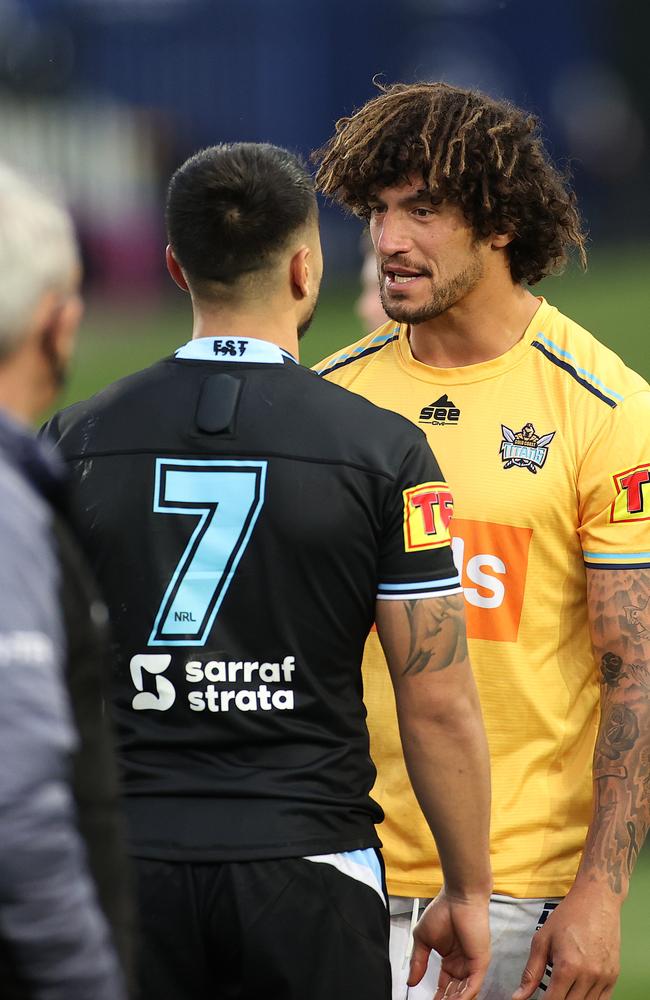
428, 509
632, 501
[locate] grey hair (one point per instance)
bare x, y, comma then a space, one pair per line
38, 253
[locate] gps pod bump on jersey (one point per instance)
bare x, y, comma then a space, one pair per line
215, 410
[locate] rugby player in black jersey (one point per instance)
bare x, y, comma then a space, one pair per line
249, 522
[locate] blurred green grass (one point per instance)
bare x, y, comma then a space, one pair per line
612, 300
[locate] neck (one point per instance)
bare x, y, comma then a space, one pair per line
485, 324
272, 323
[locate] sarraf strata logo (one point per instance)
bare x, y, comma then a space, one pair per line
216, 685
221, 693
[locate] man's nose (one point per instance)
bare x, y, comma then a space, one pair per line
391, 237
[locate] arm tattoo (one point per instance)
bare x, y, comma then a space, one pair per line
638, 617
610, 669
620, 625
437, 635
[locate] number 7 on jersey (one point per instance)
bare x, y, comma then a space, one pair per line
226, 496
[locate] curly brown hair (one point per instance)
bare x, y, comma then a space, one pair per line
482, 154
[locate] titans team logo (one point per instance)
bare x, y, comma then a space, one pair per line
524, 448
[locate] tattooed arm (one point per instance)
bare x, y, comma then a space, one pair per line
583, 935
446, 755
441, 727
620, 627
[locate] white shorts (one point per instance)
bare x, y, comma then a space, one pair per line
512, 925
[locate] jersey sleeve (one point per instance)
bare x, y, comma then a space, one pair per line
614, 489
415, 554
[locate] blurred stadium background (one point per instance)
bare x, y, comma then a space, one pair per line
102, 99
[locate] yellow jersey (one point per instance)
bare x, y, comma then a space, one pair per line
547, 452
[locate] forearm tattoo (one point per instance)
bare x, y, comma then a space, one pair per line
437, 636
620, 624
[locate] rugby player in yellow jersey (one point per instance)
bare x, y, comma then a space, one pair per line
544, 436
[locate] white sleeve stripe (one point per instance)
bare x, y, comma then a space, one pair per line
420, 584
415, 595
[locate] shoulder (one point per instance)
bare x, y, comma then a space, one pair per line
357, 431
354, 407
25, 517
592, 365
77, 427
29, 569
360, 353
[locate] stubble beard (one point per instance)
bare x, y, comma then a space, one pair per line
306, 323
442, 297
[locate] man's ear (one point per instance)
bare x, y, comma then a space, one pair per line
500, 240
174, 269
300, 269
53, 337
56, 323
68, 322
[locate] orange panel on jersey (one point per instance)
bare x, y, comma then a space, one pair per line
493, 562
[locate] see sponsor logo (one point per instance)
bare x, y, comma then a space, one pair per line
632, 501
492, 560
428, 508
442, 412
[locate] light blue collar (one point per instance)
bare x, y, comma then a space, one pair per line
245, 349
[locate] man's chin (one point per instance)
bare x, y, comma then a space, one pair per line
409, 312
401, 312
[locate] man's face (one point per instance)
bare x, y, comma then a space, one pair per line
427, 256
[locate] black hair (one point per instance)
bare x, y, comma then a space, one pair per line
232, 207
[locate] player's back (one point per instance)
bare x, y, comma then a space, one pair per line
240, 516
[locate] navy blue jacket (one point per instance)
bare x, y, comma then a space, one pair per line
55, 940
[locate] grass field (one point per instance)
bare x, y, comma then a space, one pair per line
612, 300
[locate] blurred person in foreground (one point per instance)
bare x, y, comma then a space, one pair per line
248, 521
546, 438
368, 306
60, 854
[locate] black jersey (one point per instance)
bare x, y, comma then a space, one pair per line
242, 516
